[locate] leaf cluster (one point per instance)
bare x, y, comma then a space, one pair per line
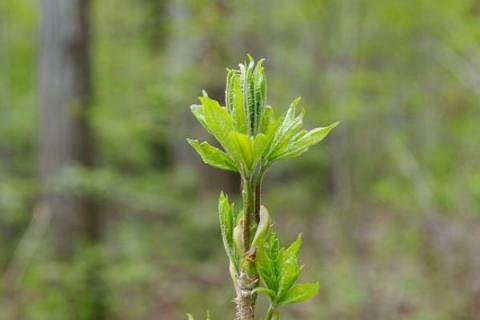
248, 131
279, 269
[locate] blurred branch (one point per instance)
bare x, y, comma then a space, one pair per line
26, 248
463, 68
410, 168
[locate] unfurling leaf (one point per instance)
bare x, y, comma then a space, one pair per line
263, 227
227, 223
213, 156
234, 101
238, 239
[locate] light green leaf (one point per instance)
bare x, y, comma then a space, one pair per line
266, 291
234, 101
259, 88
227, 222
217, 120
197, 111
300, 293
268, 119
242, 148
230, 92
237, 239
253, 87
213, 156
289, 126
301, 142
259, 146
267, 256
288, 267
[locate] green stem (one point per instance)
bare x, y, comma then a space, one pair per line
248, 196
272, 314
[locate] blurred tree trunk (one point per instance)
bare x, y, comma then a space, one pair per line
65, 138
345, 48
185, 50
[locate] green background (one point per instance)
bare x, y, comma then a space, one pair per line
389, 203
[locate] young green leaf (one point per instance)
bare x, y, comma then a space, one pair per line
268, 119
299, 293
227, 223
242, 148
238, 239
234, 101
267, 256
289, 126
253, 87
288, 267
265, 291
217, 120
259, 146
197, 111
213, 156
301, 142
279, 269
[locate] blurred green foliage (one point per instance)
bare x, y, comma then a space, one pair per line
389, 210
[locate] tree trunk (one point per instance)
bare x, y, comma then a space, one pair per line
65, 136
